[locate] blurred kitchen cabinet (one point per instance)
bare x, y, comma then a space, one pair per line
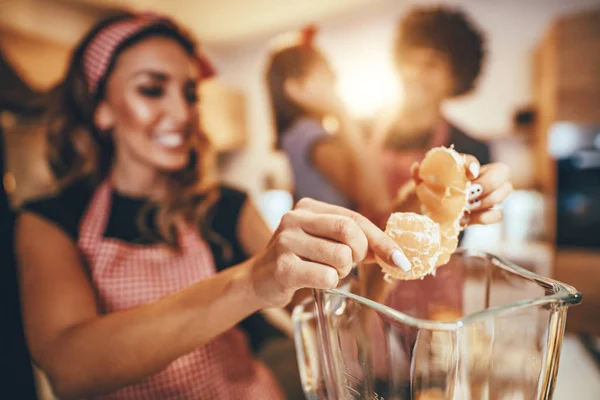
223, 115
567, 81
39, 61
567, 89
581, 269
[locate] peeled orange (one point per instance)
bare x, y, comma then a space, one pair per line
419, 238
443, 193
429, 240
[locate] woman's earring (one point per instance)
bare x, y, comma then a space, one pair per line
103, 118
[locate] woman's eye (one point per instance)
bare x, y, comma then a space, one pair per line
151, 91
191, 95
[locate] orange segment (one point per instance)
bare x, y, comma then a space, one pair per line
448, 246
420, 240
444, 167
443, 194
439, 206
429, 240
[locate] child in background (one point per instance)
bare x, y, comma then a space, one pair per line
439, 54
334, 167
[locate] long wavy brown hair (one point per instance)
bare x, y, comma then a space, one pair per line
78, 150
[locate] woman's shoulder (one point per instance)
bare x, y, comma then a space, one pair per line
306, 123
229, 193
65, 208
227, 209
302, 133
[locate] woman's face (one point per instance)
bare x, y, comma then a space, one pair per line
316, 90
322, 72
426, 76
150, 105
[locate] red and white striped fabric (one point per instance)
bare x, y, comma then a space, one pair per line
126, 276
99, 52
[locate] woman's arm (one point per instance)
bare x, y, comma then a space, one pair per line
351, 165
346, 159
85, 353
254, 235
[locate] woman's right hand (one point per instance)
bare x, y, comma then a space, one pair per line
315, 246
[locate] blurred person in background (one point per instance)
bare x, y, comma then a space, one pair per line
341, 168
136, 273
334, 167
439, 54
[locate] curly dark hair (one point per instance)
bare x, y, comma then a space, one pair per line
449, 31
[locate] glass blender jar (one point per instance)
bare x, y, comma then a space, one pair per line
481, 328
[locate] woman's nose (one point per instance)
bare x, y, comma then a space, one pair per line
178, 109
411, 72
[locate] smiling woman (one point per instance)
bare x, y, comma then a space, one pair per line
138, 275
130, 94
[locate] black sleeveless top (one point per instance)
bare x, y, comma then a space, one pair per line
66, 211
15, 364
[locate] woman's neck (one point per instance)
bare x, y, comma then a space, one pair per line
424, 119
137, 180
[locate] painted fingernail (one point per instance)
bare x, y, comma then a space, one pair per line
474, 204
400, 260
474, 168
475, 192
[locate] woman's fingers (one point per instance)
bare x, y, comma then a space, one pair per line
492, 199
492, 176
320, 250
333, 228
485, 217
472, 166
295, 273
414, 172
378, 242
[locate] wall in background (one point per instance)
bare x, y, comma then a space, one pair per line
38, 61
359, 46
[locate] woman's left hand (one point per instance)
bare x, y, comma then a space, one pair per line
490, 186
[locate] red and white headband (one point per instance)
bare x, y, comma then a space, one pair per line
99, 52
307, 36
